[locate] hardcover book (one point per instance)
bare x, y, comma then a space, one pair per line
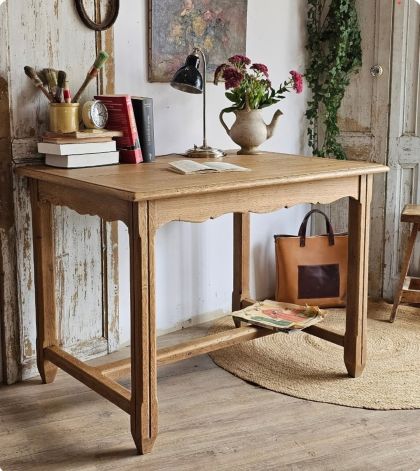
121, 118
82, 160
143, 113
77, 136
81, 148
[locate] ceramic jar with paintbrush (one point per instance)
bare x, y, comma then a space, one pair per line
248, 87
64, 115
63, 110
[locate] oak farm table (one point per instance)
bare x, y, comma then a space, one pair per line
145, 197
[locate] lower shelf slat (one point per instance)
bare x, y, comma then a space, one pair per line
191, 348
91, 377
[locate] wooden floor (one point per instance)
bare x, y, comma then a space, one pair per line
209, 420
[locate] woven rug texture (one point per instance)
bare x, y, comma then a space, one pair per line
307, 367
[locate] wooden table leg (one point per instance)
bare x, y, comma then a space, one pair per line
357, 286
241, 251
143, 336
44, 267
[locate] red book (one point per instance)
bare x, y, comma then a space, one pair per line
121, 118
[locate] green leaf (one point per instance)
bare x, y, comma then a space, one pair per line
335, 50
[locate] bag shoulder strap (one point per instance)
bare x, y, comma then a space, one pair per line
303, 226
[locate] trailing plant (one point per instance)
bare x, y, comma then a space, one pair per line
334, 45
248, 85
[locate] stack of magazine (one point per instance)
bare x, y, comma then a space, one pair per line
280, 316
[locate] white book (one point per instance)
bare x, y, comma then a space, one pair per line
82, 160
188, 167
73, 149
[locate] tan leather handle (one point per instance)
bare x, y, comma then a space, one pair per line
302, 229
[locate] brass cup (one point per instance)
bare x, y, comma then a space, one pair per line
64, 117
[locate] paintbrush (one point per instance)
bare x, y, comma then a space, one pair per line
66, 92
43, 78
51, 78
93, 72
30, 72
61, 80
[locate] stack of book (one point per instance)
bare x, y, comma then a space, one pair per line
78, 150
133, 116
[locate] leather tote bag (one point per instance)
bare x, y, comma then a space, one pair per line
312, 270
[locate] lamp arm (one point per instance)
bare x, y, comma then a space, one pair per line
203, 57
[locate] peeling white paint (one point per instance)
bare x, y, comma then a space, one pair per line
7, 252
54, 38
404, 142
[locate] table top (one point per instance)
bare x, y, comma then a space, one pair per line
155, 180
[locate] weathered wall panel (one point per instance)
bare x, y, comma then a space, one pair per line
9, 326
364, 123
48, 33
404, 141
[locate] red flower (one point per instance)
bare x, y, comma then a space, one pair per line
297, 80
260, 68
233, 77
239, 60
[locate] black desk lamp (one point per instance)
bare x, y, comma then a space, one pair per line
189, 79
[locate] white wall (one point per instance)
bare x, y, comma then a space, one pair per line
194, 273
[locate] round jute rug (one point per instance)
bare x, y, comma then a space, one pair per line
307, 367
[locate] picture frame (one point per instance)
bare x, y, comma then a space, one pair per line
218, 27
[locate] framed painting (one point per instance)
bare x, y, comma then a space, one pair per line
218, 27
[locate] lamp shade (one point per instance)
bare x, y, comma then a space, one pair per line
188, 78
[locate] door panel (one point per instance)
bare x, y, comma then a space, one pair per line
404, 140
363, 120
52, 35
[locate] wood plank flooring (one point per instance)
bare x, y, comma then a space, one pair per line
209, 420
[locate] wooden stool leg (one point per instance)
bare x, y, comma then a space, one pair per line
241, 249
357, 286
404, 270
143, 337
44, 267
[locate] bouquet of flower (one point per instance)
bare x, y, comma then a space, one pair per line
249, 85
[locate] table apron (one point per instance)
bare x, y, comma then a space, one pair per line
200, 207
108, 207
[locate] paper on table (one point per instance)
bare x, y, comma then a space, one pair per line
226, 167
187, 167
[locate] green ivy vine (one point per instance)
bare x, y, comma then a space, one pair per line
335, 49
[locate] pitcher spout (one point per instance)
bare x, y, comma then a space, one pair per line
272, 126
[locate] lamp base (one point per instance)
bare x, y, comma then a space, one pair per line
204, 153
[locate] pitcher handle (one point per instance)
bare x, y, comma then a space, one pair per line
223, 122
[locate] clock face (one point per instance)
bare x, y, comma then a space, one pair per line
99, 114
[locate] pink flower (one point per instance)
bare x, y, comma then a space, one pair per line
239, 60
297, 80
263, 69
233, 77
208, 15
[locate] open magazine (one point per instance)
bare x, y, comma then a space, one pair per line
280, 316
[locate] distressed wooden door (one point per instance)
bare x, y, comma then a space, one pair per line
48, 33
363, 120
404, 139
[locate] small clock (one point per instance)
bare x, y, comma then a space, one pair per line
95, 114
